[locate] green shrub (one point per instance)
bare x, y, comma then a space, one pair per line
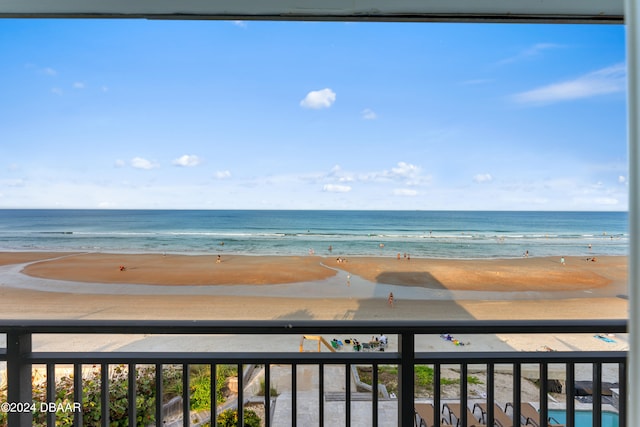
3, 398
423, 376
201, 388
470, 380
229, 418
91, 397
272, 392
200, 384
200, 392
91, 402
223, 373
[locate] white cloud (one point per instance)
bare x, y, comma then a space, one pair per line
222, 175
11, 182
106, 205
336, 174
606, 201
405, 170
369, 114
339, 180
482, 178
622, 179
241, 24
140, 163
336, 188
120, 163
79, 85
530, 52
56, 91
318, 99
335, 170
601, 82
49, 71
596, 201
405, 192
188, 160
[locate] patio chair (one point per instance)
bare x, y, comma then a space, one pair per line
532, 415
500, 417
425, 412
455, 410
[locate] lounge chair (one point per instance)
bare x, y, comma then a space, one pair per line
500, 417
532, 415
455, 410
425, 413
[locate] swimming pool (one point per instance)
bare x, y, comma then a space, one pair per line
585, 418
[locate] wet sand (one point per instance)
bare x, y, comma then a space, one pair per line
315, 288
504, 275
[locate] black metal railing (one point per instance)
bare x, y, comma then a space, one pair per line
20, 360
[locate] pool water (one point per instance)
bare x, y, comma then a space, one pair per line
585, 418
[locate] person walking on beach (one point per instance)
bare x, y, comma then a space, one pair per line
562, 261
390, 299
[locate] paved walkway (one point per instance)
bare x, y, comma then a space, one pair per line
334, 410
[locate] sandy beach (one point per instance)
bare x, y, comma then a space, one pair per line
506, 275
263, 287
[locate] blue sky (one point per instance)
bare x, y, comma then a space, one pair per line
308, 115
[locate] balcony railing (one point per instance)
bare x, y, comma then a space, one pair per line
21, 361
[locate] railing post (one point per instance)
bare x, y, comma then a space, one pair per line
437, 375
517, 391
186, 395
77, 393
544, 398
597, 394
632, 23
570, 394
19, 385
622, 397
131, 394
105, 409
406, 347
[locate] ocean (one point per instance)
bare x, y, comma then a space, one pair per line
429, 234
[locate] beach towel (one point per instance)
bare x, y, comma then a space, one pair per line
605, 339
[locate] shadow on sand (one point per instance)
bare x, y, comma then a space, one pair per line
401, 278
